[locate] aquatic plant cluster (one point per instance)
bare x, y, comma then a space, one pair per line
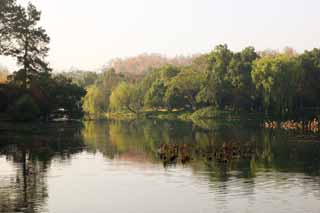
312, 125
185, 153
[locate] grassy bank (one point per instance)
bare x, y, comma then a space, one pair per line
184, 115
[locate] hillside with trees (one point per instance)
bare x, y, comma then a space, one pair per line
144, 63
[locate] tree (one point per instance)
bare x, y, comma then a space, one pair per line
188, 82
155, 95
126, 97
168, 72
276, 79
82, 78
66, 95
239, 76
308, 87
144, 63
32, 87
54, 93
94, 102
8, 17
29, 45
217, 90
174, 98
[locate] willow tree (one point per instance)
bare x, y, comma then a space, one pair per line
126, 97
276, 78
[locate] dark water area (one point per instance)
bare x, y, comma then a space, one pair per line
157, 166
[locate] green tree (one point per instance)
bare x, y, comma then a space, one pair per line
155, 95
188, 82
276, 79
28, 45
174, 98
217, 91
308, 87
239, 76
52, 94
8, 16
67, 95
82, 78
126, 97
94, 102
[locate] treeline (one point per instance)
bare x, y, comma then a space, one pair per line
270, 82
31, 92
144, 63
80, 77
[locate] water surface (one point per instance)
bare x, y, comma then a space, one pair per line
117, 167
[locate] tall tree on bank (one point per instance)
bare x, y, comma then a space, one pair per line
25, 41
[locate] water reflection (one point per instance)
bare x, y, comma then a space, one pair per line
218, 150
235, 163
28, 152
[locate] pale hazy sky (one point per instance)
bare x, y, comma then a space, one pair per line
87, 34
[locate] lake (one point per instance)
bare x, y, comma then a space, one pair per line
157, 166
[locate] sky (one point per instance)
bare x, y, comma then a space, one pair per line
87, 34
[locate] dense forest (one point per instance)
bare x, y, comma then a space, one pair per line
270, 82
247, 81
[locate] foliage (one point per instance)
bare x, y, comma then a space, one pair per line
219, 81
66, 95
154, 97
188, 84
82, 78
126, 97
269, 75
144, 63
209, 112
308, 87
222, 81
8, 17
239, 76
96, 102
28, 44
31, 91
24, 109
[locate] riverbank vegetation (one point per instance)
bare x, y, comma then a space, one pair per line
221, 82
31, 92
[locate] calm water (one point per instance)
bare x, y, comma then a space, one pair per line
157, 166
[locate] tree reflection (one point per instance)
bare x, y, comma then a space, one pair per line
31, 150
216, 149
217, 153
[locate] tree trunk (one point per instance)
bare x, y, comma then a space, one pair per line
25, 66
